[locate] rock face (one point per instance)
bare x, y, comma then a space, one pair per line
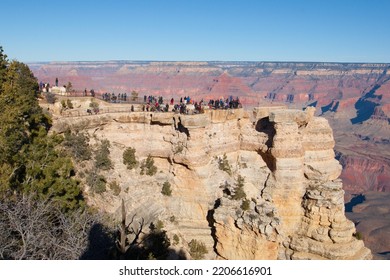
354, 97
260, 185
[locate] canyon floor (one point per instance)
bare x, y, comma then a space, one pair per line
370, 212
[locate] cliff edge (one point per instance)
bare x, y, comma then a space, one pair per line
249, 185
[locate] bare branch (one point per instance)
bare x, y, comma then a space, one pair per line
38, 229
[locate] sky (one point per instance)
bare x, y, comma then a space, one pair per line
196, 30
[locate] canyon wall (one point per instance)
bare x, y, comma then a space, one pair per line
257, 185
354, 97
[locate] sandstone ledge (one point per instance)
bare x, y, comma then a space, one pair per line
295, 207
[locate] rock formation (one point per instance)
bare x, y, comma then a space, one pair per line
260, 185
354, 97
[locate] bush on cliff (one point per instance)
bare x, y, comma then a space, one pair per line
50, 98
76, 145
245, 205
224, 165
166, 189
148, 167
96, 181
94, 106
197, 249
102, 156
239, 192
129, 158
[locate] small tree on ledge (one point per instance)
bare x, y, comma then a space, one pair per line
148, 167
224, 165
166, 189
129, 158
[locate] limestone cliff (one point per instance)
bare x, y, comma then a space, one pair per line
354, 97
259, 185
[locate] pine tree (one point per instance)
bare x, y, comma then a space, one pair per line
29, 160
3, 67
20, 114
102, 156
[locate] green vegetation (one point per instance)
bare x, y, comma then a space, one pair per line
42, 211
3, 67
176, 239
159, 225
114, 186
76, 145
30, 161
129, 158
102, 162
96, 181
358, 235
166, 189
245, 205
69, 104
102, 156
224, 165
66, 104
239, 192
156, 243
240, 181
63, 104
148, 167
197, 249
94, 106
20, 115
50, 98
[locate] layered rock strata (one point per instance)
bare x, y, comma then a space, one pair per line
249, 186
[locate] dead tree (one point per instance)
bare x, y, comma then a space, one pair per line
123, 243
32, 229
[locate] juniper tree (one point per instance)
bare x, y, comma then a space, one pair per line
102, 156
129, 158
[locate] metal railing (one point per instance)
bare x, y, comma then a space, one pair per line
90, 112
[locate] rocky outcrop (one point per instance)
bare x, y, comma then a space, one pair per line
325, 229
260, 185
347, 94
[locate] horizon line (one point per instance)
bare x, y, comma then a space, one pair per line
206, 61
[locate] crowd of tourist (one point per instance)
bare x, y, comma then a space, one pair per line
185, 105
111, 97
229, 103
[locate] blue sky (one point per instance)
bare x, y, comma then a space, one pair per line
189, 30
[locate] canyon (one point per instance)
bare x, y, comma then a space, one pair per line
353, 98
260, 184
